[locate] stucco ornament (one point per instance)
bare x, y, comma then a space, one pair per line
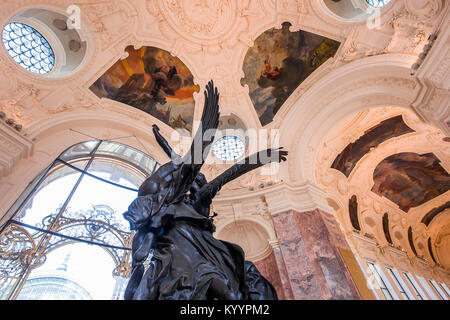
199, 20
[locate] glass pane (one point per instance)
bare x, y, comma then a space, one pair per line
17, 204
129, 154
398, 284
92, 193
377, 3
427, 288
78, 163
50, 196
117, 173
74, 271
28, 47
445, 288
381, 280
438, 289
420, 294
79, 150
228, 148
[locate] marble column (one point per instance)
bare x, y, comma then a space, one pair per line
310, 241
274, 270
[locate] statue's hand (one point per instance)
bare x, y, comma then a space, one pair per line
280, 155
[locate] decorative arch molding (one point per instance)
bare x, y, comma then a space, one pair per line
307, 121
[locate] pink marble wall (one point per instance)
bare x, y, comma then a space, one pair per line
269, 269
309, 244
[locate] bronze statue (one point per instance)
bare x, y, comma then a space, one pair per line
171, 216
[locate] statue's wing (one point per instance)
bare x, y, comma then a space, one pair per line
209, 191
164, 144
204, 136
201, 144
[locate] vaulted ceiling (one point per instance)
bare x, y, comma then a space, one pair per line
335, 83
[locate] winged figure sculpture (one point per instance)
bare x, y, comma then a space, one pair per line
174, 253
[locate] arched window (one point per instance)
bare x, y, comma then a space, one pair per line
228, 148
47, 43
377, 3
28, 47
66, 236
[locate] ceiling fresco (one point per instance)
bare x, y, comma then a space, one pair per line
409, 179
278, 62
152, 80
385, 130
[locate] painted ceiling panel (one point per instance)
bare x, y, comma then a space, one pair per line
154, 81
278, 62
385, 130
409, 179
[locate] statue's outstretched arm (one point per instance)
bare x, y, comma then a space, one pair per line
208, 191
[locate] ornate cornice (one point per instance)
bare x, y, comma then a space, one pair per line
13, 147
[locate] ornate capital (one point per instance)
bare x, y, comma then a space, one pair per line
300, 198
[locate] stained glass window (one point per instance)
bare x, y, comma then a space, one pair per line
377, 3
28, 48
229, 148
67, 237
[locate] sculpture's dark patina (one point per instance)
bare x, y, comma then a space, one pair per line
171, 216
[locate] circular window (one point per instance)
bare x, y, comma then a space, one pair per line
28, 48
377, 3
229, 148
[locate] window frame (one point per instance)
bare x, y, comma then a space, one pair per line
417, 290
381, 279
401, 286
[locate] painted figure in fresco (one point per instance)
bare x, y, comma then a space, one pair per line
171, 216
278, 63
152, 80
269, 73
165, 81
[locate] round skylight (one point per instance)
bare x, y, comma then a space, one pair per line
28, 48
228, 148
377, 3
